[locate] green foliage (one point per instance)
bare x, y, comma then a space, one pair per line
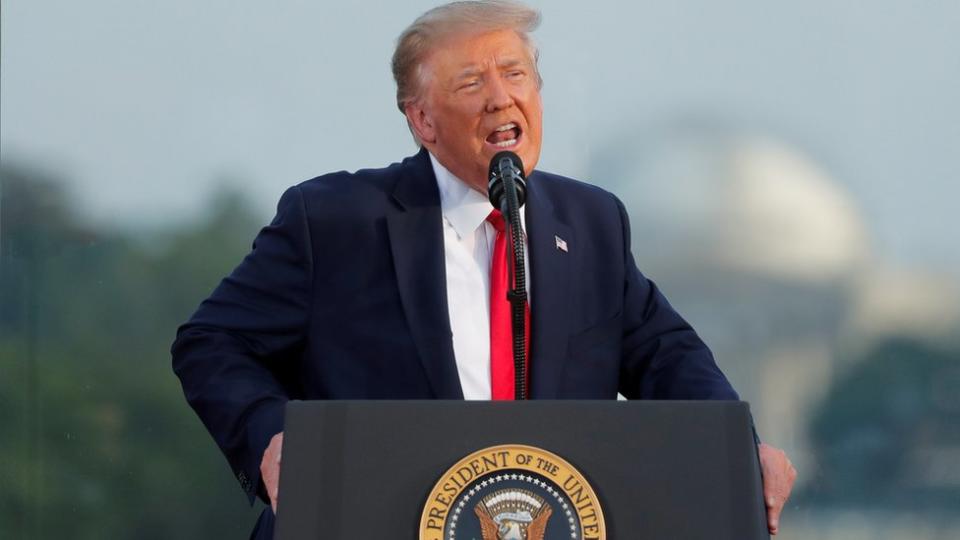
103, 444
888, 433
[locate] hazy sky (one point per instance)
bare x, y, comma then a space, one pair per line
147, 107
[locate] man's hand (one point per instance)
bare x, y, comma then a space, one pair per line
778, 478
270, 468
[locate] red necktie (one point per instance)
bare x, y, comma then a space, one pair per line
502, 375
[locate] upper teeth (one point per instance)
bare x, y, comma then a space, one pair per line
505, 127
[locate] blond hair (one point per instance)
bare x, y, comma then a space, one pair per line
477, 16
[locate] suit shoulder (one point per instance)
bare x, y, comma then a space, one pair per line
563, 189
358, 183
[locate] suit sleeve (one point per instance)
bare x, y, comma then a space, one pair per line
663, 357
227, 355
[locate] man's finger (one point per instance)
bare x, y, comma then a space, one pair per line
774, 508
270, 469
778, 478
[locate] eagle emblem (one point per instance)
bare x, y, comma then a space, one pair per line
510, 492
513, 514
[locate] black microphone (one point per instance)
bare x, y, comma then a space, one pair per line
507, 191
504, 167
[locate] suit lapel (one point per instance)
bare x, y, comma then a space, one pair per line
416, 243
550, 291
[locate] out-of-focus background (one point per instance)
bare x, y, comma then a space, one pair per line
792, 170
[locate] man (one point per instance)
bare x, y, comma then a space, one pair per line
376, 284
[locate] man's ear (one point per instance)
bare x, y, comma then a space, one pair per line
420, 123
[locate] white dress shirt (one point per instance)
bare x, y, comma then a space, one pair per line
468, 249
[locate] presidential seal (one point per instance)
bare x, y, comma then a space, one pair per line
512, 492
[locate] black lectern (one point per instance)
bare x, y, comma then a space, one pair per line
457, 470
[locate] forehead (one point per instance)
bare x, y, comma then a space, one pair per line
459, 53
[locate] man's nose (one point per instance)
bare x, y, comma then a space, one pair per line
498, 97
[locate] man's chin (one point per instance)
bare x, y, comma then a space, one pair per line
528, 155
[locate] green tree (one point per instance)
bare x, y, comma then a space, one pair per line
104, 445
884, 433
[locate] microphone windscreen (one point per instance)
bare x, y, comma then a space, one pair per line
505, 162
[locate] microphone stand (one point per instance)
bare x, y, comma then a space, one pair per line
516, 276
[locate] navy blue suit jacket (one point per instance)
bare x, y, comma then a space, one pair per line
343, 297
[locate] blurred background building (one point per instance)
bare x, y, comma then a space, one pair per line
797, 162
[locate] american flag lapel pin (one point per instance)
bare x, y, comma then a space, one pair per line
561, 244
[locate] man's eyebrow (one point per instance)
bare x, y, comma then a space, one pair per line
469, 71
511, 62
472, 70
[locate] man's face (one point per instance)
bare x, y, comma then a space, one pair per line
480, 96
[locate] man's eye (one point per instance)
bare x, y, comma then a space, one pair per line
470, 84
516, 74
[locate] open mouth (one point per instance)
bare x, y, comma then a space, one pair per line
505, 136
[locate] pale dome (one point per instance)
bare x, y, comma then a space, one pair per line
744, 203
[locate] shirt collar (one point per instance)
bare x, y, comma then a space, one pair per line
462, 206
